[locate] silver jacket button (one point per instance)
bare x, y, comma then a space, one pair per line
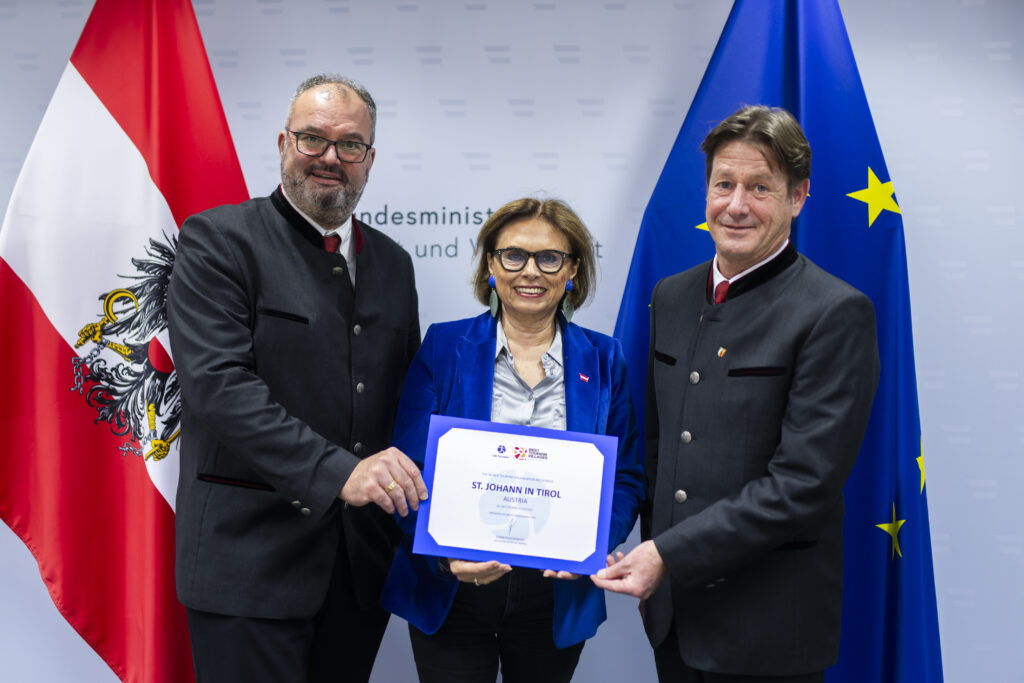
686, 437
694, 377
680, 496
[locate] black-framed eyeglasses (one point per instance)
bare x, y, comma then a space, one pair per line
513, 259
349, 151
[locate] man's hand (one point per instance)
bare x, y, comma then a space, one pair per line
389, 479
636, 574
478, 573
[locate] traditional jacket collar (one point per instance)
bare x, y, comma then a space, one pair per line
777, 265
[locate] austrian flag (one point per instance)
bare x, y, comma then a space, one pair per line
133, 142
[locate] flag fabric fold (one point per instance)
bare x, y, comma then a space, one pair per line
796, 54
133, 141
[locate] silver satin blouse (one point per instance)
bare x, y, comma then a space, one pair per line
514, 402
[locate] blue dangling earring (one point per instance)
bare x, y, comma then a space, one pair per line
567, 308
494, 302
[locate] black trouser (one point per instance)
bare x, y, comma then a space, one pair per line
509, 620
672, 669
339, 644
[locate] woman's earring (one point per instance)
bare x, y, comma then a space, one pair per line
567, 308
494, 302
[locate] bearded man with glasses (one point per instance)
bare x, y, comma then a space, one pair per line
292, 325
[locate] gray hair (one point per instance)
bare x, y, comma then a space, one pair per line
340, 82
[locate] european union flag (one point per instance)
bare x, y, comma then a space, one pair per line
796, 54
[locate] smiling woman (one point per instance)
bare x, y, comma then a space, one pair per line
528, 294
524, 363
547, 225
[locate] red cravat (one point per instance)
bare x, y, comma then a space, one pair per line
720, 291
331, 242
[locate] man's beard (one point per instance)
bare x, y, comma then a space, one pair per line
330, 206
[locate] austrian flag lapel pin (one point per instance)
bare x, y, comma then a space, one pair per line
584, 377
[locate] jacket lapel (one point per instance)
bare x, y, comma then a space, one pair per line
582, 380
474, 370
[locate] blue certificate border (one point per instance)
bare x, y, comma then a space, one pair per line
424, 544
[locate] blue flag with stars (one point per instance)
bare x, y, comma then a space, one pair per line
796, 54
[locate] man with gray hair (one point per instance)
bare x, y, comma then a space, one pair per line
292, 325
761, 375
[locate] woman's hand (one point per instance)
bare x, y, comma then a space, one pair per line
478, 573
552, 574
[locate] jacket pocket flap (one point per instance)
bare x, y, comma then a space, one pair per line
230, 481
275, 313
664, 357
763, 371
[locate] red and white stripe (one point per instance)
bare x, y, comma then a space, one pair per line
133, 141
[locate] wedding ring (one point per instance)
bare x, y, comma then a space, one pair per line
393, 484
476, 582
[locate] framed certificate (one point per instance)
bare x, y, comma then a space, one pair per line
524, 496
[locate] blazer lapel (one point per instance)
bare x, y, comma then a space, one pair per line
582, 381
474, 370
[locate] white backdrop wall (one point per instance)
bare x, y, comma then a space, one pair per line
482, 101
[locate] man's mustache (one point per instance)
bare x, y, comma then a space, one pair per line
332, 170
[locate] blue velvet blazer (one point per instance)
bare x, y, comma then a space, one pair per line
453, 374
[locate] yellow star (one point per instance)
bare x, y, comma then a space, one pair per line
920, 466
878, 197
893, 528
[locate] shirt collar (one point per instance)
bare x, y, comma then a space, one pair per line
554, 351
718, 277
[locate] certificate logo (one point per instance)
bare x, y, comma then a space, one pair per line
522, 453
